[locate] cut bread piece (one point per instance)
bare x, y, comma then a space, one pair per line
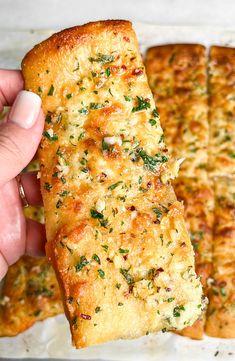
198, 199
222, 111
115, 231
221, 311
177, 77
30, 293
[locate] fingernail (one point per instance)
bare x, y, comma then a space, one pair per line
25, 109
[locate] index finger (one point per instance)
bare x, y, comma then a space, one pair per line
11, 82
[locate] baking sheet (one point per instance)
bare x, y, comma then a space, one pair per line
51, 338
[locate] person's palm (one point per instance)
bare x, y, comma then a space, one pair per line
17, 147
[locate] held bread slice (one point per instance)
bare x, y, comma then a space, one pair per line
115, 231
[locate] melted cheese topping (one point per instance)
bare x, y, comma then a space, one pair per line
222, 111
30, 293
177, 77
221, 313
116, 234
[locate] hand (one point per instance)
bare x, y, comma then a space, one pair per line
20, 134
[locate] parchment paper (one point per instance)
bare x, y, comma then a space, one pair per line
51, 338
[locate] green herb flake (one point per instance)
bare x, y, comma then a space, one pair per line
68, 96
171, 299
77, 67
125, 273
113, 186
223, 292
37, 312
96, 258
102, 58
51, 90
94, 106
70, 299
158, 212
152, 122
121, 250
52, 138
118, 286
120, 304
97, 309
105, 247
177, 310
47, 186
151, 162
95, 214
101, 273
107, 72
48, 119
82, 263
127, 99
59, 203
142, 104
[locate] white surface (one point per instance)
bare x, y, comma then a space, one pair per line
26, 14
51, 338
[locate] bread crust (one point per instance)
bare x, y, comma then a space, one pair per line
111, 214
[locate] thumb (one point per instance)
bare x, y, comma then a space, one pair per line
20, 135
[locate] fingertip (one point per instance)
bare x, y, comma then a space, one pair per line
3, 267
25, 110
35, 239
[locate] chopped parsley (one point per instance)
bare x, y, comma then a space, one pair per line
82, 263
102, 58
51, 90
68, 96
152, 122
151, 162
142, 104
96, 258
177, 310
97, 309
121, 250
96, 106
113, 186
127, 99
59, 203
107, 72
48, 119
52, 138
127, 276
95, 214
47, 186
101, 273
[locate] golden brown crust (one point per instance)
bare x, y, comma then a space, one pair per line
177, 77
221, 311
222, 111
111, 215
30, 293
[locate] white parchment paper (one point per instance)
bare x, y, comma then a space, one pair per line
51, 338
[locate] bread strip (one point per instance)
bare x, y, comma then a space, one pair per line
222, 111
116, 234
198, 199
30, 293
221, 312
177, 77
